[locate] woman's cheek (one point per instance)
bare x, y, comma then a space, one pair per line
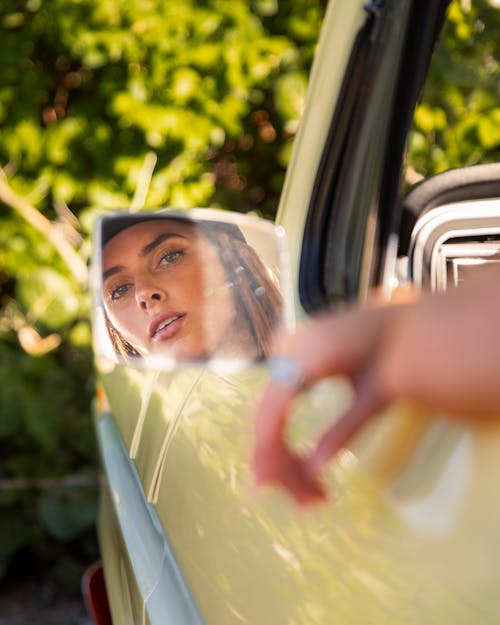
127, 324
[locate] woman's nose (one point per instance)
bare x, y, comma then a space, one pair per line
148, 296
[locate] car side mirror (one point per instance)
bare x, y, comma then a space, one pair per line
455, 226
188, 286
451, 240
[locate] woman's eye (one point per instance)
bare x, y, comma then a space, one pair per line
171, 257
120, 291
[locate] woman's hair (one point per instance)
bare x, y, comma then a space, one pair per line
257, 299
121, 346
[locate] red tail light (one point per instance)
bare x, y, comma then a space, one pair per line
95, 596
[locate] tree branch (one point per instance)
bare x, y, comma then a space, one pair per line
144, 181
35, 218
43, 483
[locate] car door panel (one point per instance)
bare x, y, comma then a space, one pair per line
407, 504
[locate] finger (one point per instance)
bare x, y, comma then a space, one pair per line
335, 345
274, 463
293, 474
269, 426
367, 402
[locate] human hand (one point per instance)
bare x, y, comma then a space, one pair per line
441, 353
346, 344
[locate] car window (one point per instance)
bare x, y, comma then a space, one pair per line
350, 217
440, 112
457, 122
451, 180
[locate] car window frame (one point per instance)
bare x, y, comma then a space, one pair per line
353, 209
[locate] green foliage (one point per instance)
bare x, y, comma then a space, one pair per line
51, 298
91, 87
67, 515
457, 123
44, 433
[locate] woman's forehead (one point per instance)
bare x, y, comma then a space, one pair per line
134, 240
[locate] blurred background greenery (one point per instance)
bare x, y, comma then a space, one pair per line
109, 104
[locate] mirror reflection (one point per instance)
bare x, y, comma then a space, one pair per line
185, 288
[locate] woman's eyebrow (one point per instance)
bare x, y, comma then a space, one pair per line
111, 271
144, 252
159, 239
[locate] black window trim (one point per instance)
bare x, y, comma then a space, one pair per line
354, 185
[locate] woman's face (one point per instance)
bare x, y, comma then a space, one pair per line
166, 292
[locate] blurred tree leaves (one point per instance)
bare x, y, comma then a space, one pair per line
67, 515
50, 297
93, 84
457, 123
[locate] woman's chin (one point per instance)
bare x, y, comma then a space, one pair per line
180, 351
183, 350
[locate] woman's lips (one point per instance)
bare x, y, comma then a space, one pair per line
165, 326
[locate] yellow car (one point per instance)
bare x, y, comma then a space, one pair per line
411, 530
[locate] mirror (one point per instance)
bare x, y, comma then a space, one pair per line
451, 239
188, 286
450, 224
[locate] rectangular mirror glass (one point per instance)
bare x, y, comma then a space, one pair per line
188, 286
